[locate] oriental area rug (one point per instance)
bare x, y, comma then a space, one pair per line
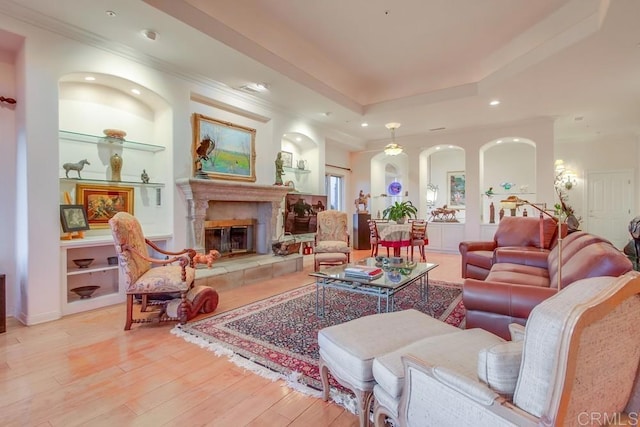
277, 337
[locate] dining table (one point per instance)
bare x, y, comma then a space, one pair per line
395, 236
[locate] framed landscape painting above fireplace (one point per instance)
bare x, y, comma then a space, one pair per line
223, 150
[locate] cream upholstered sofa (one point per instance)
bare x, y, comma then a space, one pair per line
575, 363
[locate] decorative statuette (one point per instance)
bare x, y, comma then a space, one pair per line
144, 176
116, 167
74, 167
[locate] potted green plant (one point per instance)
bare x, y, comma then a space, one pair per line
399, 211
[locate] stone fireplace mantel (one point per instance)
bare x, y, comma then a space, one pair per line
199, 192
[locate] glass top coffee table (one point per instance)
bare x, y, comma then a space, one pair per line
384, 288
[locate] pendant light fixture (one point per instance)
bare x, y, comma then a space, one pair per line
392, 149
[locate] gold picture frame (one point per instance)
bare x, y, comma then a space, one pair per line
102, 202
223, 150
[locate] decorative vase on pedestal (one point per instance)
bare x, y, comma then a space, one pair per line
116, 167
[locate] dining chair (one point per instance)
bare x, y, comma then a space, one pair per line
419, 237
374, 237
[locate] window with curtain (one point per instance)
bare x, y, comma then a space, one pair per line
334, 187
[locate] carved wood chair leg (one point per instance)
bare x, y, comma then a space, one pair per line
127, 325
380, 417
364, 400
324, 377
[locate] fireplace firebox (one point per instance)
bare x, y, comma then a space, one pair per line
230, 237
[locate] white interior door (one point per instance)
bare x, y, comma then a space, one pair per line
609, 205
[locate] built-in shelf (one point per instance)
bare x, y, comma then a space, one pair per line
94, 139
114, 183
296, 170
94, 268
510, 193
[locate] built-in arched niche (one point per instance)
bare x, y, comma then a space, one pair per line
300, 155
389, 181
89, 104
442, 181
507, 168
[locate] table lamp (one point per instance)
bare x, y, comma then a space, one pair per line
512, 202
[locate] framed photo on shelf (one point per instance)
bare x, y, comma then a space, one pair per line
456, 190
73, 218
223, 150
287, 159
102, 202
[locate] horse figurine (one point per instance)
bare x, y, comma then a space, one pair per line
362, 200
74, 167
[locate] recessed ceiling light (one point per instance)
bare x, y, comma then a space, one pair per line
89, 78
150, 34
364, 124
136, 91
494, 103
499, 141
111, 13
516, 139
255, 87
451, 146
438, 147
298, 139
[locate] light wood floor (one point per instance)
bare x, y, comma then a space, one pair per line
85, 369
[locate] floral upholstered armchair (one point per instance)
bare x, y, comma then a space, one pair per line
175, 275
332, 239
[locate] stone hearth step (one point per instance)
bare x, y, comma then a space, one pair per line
234, 272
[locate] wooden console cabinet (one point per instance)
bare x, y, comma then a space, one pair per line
361, 231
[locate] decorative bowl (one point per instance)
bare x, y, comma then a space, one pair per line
83, 262
115, 133
85, 291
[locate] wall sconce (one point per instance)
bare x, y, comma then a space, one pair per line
564, 177
432, 195
568, 180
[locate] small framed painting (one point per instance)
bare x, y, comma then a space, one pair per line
73, 218
102, 202
287, 159
456, 190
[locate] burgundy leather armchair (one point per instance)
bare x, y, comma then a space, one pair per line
521, 233
518, 281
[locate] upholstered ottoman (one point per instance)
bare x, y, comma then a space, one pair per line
348, 349
454, 351
334, 258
